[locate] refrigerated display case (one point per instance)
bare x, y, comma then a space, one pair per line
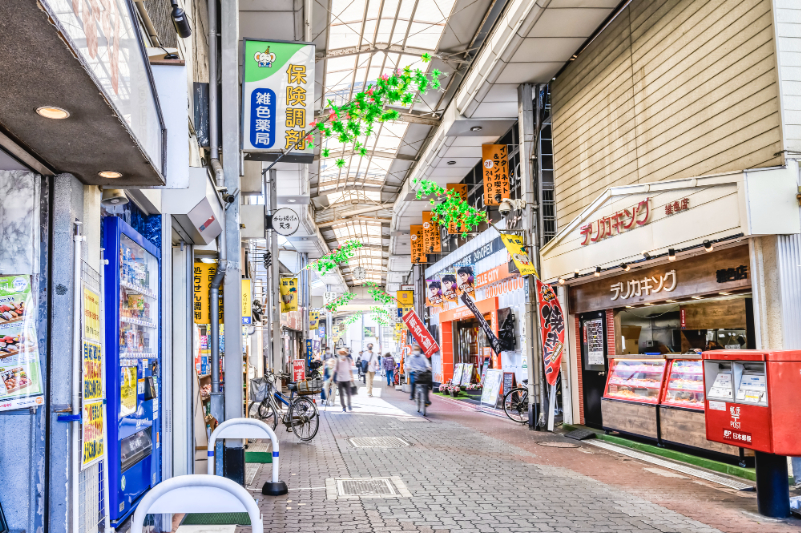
632, 394
132, 281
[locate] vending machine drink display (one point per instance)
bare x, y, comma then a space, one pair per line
133, 362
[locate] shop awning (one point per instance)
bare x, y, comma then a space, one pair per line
85, 58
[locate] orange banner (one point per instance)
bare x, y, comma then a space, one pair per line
496, 173
461, 190
431, 241
416, 236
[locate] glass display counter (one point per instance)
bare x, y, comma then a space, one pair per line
632, 394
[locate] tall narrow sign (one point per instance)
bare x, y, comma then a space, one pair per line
420, 333
495, 161
418, 250
483, 324
460, 189
552, 325
432, 244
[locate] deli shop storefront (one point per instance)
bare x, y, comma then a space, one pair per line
654, 275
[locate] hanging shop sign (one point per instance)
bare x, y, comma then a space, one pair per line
405, 298
431, 241
247, 303
465, 279
420, 333
20, 373
92, 435
309, 349
202, 275
552, 325
461, 190
694, 276
284, 221
329, 297
278, 98
298, 370
616, 223
496, 173
516, 246
418, 247
314, 319
289, 294
483, 324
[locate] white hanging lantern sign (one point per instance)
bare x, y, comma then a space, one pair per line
329, 297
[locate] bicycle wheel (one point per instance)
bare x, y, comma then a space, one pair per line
267, 414
304, 417
515, 405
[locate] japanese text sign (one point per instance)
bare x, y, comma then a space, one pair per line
552, 325
516, 247
431, 241
420, 333
202, 274
418, 250
461, 191
285, 221
247, 304
298, 369
314, 319
92, 435
616, 223
405, 298
496, 173
634, 288
92, 371
289, 294
91, 315
278, 97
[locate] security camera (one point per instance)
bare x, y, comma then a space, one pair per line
228, 198
505, 208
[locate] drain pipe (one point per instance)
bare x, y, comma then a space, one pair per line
217, 404
214, 141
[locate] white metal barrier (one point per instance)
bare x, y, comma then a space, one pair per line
248, 428
198, 494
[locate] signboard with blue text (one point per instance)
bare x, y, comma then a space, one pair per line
278, 99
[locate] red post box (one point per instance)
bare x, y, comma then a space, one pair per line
752, 402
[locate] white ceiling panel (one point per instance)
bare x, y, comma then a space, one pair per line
569, 22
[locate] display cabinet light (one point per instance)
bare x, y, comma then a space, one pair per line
708, 246
561, 281
671, 254
625, 266
597, 271
646, 255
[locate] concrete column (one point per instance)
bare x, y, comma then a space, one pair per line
275, 317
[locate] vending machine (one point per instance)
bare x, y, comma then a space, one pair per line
133, 379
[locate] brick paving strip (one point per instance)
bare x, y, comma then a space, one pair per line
474, 473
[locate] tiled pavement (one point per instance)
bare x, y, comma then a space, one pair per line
470, 472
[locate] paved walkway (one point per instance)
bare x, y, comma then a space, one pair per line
471, 472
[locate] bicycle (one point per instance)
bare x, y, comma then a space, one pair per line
515, 404
300, 417
422, 380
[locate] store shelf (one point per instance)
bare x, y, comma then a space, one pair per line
634, 399
138, 355
686, 405
635, 385
686, 389
686, 372
137, 288
138, 322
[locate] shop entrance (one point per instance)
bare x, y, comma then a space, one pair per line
467, 339
593, 365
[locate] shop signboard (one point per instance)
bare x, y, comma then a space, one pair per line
508, 382
247, 304
467, 374
420, 333
278, 98
434, 292
484, 369
492, 387
431, 241
298, 370
496, 173
284, 222
483, 324
202, 275
617, 223
309, 349
457, 374
516, 246
92, 434
405, 298
289, 294
418, 247
314, 319
20, 375
552, 326
460, 189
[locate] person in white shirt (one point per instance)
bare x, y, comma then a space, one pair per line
372, 367
343, 375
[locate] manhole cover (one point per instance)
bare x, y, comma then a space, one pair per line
375, 487
558, 444
378, 442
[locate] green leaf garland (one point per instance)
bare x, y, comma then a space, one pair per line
330, 261
449, 208
339, 302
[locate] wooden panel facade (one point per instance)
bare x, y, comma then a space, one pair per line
630, 417
671, 89
682, 426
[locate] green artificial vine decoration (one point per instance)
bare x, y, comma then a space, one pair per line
330, 260
381, 315
351, 319
340, 301
379, 294
451, 209
357, 118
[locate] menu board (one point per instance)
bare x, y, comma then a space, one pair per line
20, 372
508, 381
467, 374
594, 330
492, 387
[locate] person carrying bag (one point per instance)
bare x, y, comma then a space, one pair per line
343, 375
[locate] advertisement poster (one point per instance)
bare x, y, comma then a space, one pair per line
298, 370
92, 371
496, 173
416, 238
460, 190
202, 274
128, 381
247, 304
314, 319
278, 97
516, 247
91, 315
484, 369
450, 289
595, 341
457, 374
289, 294
92, 433
434, 292
420, 333
465, 280
552, 325
467, 374
432, 244
20, 373
492, 387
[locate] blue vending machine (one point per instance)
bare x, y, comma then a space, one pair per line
133, 363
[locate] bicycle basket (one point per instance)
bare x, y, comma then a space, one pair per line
310, 386
259, 389
423, 377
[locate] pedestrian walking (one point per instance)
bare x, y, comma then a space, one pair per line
362, 367
372, 367
343, 376
389, 368
329, 385
416, 363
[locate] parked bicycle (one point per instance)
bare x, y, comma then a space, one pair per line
515, 404
298, 413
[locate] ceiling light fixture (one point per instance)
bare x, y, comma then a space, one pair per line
597, 271
110, 174
629, 307
52, 112
292, 200
671, 301
646, 255
671, 254
708, 246
625, 266
561, 281
697, 297
476, 128
451, 162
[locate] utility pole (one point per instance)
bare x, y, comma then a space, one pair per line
275, 280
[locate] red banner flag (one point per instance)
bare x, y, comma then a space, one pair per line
552, 325
420, 333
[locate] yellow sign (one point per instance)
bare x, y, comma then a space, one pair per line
92, 433
516, 247
202, 276
91, 315
289, 294
127, 390
247, 305
92, 371
405, 299
314, 319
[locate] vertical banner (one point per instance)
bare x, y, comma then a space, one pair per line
460, 189
247, 304
516, 246
465, 280
309, 350
278, 98
92, 427
496, 173
450, 289
483, 324
552, 324
432, 244
420, 333
434, 292
298, 370
314, 319
418, 249
289, 294
201, 280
